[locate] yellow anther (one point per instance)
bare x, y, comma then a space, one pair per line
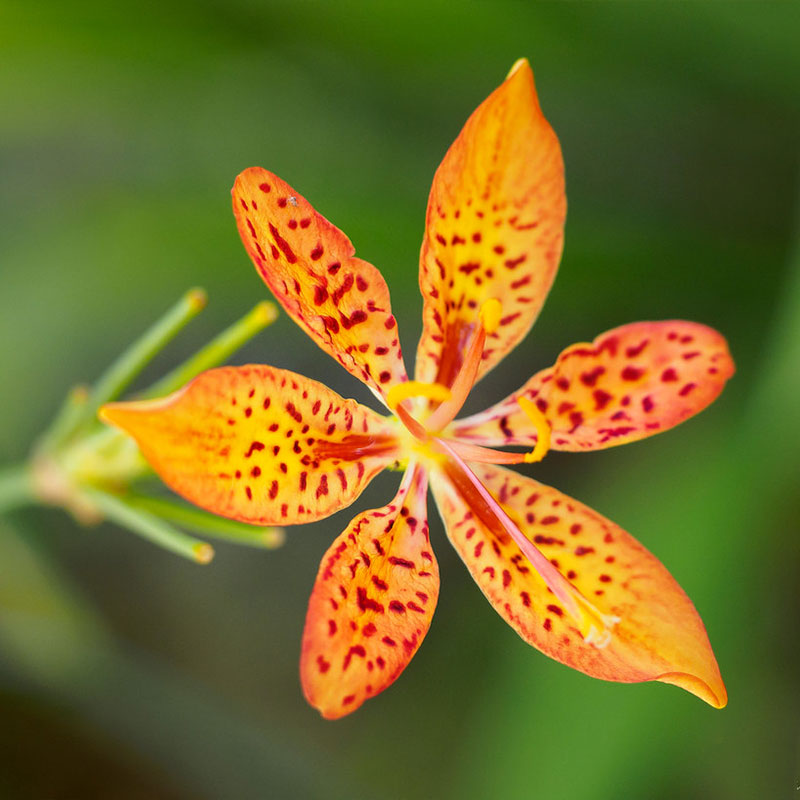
402, 391
542, 430
490, 314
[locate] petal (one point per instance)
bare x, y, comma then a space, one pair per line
259, 444
372, 603
630, 383
494, 229
342, 302
659, 635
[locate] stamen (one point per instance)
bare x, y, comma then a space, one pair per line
402, 391
593, 625
489, 317
490, 314
486, 455
542, 430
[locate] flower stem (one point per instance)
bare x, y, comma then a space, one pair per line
120, 374
216, 351
16, 487
67, 419
227, 529
150, 527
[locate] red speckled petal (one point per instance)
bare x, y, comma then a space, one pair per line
372, 603
631, 382
494, 229
341, 301
259, 444
659, 636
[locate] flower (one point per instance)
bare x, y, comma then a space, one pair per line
268, 446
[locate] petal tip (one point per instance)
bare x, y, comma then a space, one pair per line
713, 692
519, 64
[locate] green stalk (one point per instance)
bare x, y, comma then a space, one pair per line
216, 351
150, 527
16, 487
120, 374
67, 419
227, 529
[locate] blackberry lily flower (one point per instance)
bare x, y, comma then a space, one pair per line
268, 446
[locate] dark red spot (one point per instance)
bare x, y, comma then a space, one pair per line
389, 642
355, 650
547, 624
559, 612
385, 376
273, 490
320, 295
669, 375
265, 187
632, 352
255, 472
253, 446
513, 263
401, 562
590, 378
282, 244
366, 603
605, 578
317, 252
647, 404
323, 486
632, 373
686, 389
601, 399
549, 520
397, 607
582, 551
323, 665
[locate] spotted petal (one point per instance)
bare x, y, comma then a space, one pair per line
341, 301
630, 383
259, 444
372, 603
659, 635
494, 229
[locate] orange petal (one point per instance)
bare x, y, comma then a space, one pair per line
630, 383
494, 229
659, 635
259, 444
372, 603
341, 301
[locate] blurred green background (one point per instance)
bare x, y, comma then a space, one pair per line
126, 672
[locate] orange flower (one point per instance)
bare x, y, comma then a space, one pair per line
268, 446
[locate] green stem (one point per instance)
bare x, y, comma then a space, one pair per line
16, 487
67, 419
120, 374
150, 527
227, 529
216, 351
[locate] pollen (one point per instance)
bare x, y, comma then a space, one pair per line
490, 314
542, 430
402, 391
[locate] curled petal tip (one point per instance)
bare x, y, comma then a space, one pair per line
519, 64
713, 692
